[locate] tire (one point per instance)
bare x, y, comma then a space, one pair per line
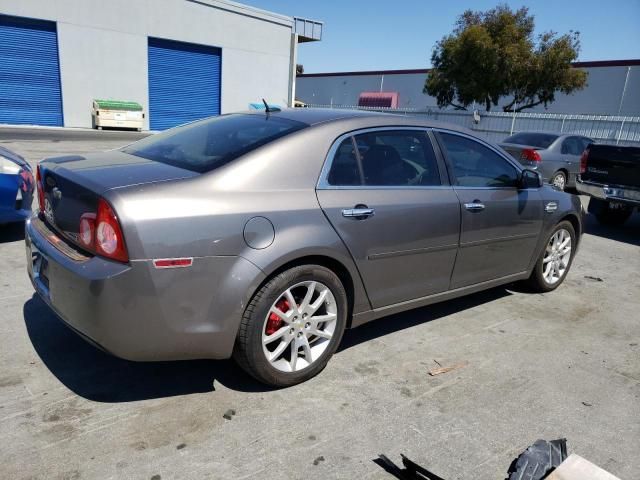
265, 333
559, 180
544, 280
607, 215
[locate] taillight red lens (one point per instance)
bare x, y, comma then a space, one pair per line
530, 155
583, 161
108, 238
40, 187
87, 230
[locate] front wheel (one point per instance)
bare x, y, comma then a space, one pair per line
292, 326
555, 260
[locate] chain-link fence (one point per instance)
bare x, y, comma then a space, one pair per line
496, 126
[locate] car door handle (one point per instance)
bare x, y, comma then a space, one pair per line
475, 206
358, 213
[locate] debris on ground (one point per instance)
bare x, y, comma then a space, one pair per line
440, 370
229, 414
411, 470
595, 279
577, 468
538, 460
318, 460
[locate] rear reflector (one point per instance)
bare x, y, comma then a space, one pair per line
173, 262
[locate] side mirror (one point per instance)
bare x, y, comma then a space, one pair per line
529, 179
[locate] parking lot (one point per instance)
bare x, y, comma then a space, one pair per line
562, 364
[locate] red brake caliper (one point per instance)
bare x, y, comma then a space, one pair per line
275, 322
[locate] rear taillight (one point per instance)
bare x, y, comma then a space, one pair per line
86, 235
583, 161
40, 187
530, 155
101, 233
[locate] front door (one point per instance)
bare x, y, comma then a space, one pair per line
500, 223
384, 194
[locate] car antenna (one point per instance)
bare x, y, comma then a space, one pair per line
266, 106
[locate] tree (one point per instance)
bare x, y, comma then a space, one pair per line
494, 54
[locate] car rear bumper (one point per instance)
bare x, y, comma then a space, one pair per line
612, 193
138, 312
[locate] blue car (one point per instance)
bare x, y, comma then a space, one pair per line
16, 187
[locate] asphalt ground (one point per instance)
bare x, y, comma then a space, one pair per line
562, 364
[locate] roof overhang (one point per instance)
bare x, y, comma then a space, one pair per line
307, 30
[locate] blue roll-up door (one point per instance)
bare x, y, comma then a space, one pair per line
29, 72
184, 82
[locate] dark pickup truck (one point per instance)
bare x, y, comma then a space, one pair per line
610, 174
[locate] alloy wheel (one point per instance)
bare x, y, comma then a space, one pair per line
299, 326
557, 257
559, 181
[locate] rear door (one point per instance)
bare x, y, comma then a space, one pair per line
571, 151
385, 193
500, 223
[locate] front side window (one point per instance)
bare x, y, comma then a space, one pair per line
208, 144
385, 158
475, 165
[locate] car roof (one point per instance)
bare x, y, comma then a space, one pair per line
315, 116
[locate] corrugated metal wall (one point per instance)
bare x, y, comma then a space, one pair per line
29, 72
496, 126
184, 82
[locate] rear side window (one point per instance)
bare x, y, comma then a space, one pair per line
539, 140
385, 158
208, 144
572, 146
475, 165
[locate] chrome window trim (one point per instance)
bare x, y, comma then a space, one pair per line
323, 183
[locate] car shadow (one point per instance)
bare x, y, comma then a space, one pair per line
101, 377
11, 232
401, 321
629, 232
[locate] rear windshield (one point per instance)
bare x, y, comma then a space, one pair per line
208, 144
540, 140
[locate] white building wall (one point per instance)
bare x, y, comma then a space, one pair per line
103, 48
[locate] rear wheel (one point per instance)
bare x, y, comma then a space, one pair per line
292, 326
559, 180
555, 260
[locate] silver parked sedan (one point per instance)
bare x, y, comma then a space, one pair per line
263, 236
555, 157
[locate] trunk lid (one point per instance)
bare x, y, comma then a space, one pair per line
515, 150
73, 184
613, 165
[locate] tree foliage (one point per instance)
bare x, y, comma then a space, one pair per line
495, 54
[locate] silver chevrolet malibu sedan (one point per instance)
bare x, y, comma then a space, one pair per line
262, 236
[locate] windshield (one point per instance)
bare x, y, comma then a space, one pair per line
540, 140
208, 144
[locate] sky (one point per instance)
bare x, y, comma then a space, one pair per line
400, 34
